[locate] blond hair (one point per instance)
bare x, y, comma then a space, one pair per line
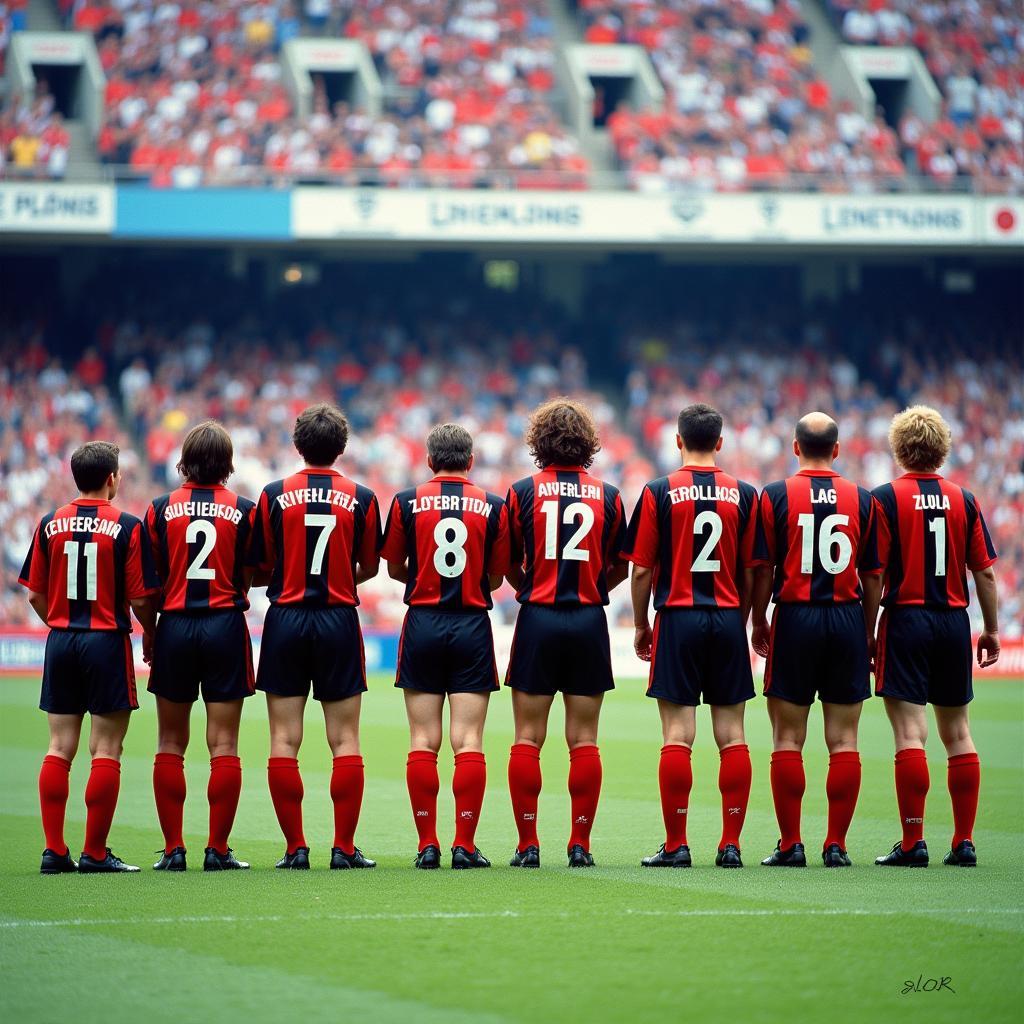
920, 439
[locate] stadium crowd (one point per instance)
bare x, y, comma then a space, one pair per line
144, 383
973, 50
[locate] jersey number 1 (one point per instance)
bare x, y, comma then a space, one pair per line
91, 551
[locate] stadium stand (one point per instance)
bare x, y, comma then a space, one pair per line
399, 368
34, 142
973, 51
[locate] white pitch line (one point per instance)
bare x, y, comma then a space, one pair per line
83, 922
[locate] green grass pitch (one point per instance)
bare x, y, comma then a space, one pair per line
612, 944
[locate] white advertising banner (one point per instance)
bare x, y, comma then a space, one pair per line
438, 215
64, 209
1002, 221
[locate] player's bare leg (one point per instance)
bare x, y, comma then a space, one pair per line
173, 725
347, 780
54, 777
530, 713
675, 780
223, 719
425, 713
468, 712
733, 779
789, 733
842, 785
963, 777
106, 742
910, 732
582, 714
283, 776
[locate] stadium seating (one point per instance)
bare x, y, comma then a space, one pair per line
194, 95
973, 51
745, 106
159, 381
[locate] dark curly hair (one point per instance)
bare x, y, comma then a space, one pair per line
562, 432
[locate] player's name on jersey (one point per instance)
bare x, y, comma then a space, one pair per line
568, 489
929, 502
202, 510
824, 497
450, 503
317, 496
83, 524
703, 492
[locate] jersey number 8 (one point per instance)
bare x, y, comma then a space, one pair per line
450, 536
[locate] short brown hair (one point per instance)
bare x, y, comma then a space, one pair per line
920, 439
700, 427
206, 454
562, 432
321, 434
450, 447
92, 463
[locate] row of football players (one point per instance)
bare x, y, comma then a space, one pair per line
705, 546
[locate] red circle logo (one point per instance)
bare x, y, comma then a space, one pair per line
1005, 220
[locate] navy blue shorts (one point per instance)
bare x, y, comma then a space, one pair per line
208, 650
88, 670
558, 649
925, 656
322, 646
446, 652
818, 649
700, 652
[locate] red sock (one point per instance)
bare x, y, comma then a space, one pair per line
584, 792
222, 791
911, 791
347, 780
524, 782
963, 776
421, 778
842, 787
468, 785
169, 791
788, 784
734, 785
675, 780
100, 800
54, 779
286, 792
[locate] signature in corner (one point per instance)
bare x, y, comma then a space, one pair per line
923, 984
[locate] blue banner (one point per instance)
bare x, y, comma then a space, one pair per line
220, 213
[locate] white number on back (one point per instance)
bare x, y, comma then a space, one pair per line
326, 523
572, 552
704, 562
450, 536
91, 551
828, 538
938, 527
200, 528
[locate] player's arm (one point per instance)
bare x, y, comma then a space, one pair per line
871, 584
39, 605
760, 598
256, 577
988, 599
145, 611
617, 574
494, 582
368, 556
400, 571
640, 586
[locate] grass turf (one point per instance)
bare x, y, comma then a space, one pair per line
615, 943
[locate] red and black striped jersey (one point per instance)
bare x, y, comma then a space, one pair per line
696, 529
90, 559
567, 529
454, 535
200, 537
309, 532
930, 532
818, 531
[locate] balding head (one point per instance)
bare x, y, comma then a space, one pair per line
817, 437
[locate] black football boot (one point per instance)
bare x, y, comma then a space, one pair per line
728, 857
297, 861
528, 858
213, 860
462, 859
171, 861
897, 857
342, 861
56, 863
580, 858
834, 856
110, 864
794, 857
428, 859
962, 855
677, 858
